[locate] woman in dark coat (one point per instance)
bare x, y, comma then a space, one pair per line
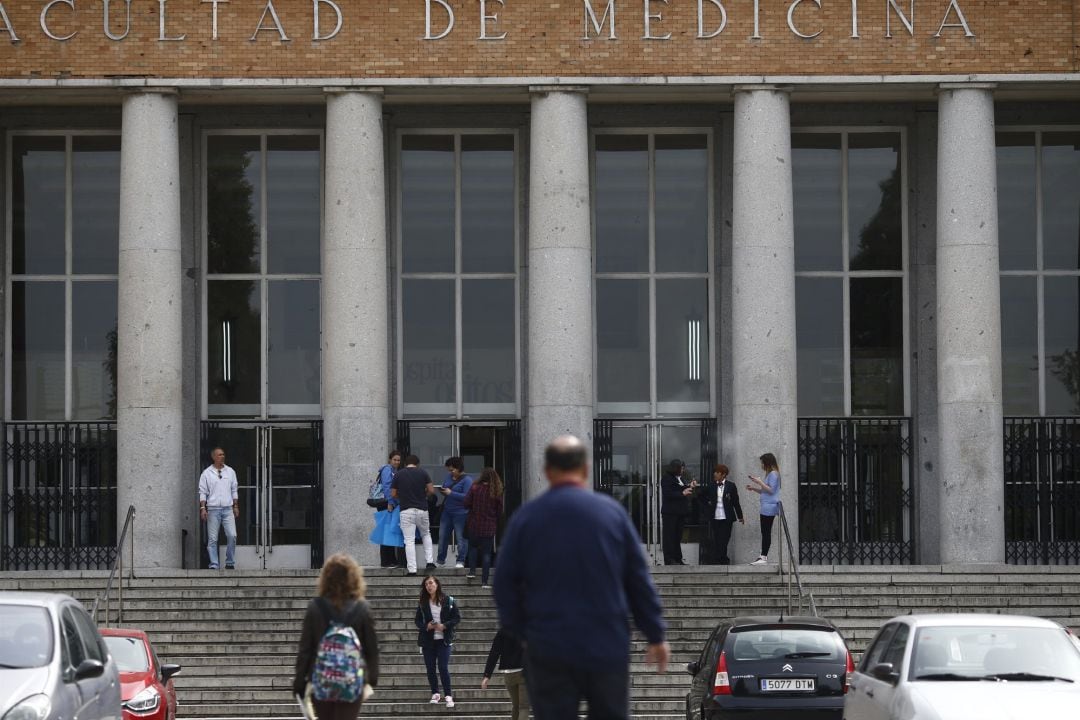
437, 618
722, 508
674, 507
341, 597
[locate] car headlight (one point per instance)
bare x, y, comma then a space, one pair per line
35, 707
146, 701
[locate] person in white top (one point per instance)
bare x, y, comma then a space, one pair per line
219, 507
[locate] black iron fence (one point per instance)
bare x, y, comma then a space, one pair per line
58, 496
1042, 490
855, 491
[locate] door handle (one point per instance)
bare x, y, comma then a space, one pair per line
869, 693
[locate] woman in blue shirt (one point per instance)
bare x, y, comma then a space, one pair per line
769, 490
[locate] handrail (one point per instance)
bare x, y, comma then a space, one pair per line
806, 598
118, 564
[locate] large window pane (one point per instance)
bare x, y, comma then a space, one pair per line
488, 360
487, 203
875, 223
93, 350
622, 203
877, 346
233, 197
819, 327
682, 343
1062, 298
817, 178
1016, 200
430, 374
37, 350
38, 204
622, 342
1019, 346
234, 347
681, 189
427, 203
292, 361
95, 204
293, 203
1061, 201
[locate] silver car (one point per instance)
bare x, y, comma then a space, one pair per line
967, 667
53, 662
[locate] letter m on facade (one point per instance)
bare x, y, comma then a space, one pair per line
598, 24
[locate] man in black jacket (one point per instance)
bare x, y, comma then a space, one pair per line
675, 506
721, 501
506, 650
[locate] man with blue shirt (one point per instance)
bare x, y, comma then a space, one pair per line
454, 513
571, 570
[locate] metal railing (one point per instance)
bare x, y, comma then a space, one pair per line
118, 567
805, 597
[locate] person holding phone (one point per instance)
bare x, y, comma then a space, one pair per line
675, 495
437, 617
454, 512
769, 490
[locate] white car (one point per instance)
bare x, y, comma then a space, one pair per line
967, 667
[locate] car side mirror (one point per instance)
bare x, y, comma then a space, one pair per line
885, 673
168, 671
89, 669
692, 668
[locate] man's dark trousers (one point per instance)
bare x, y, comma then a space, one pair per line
671, 535
555, 689
721, 530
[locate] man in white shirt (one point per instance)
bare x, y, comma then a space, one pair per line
219, 507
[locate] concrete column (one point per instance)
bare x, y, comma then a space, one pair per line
560, 326
764, 411
150, 356
969, 329
355, 320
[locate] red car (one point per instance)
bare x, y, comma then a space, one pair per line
146, 686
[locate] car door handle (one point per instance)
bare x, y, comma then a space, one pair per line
869, 693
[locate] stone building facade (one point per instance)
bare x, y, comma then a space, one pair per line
844, 232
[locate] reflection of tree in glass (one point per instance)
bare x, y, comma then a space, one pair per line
880, 238
1066, 367
233, 244
110, 372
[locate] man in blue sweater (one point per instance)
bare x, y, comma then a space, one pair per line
571, 573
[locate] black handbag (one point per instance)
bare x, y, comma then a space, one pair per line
378, 503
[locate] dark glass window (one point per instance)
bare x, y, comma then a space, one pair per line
651, 199
263, 245
459, 307
65, 249
1020, 345
850, 270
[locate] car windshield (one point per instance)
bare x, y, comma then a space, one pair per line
1008, 653
129, 653
26, 638
761, 643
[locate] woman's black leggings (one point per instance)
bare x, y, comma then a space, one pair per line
766, 533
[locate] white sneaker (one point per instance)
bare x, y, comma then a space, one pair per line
762, 560
449, 701
435, 699
460, 566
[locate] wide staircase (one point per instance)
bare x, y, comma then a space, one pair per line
235, 633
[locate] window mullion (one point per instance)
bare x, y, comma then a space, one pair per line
69, 179
458, 289
264, 309
845, 263
651, 169
1040, 267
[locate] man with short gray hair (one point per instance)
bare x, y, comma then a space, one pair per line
571, 570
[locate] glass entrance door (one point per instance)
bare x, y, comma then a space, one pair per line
279, 473
630, 459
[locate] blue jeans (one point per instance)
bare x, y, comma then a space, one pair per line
438, 652
217, 518
457, 522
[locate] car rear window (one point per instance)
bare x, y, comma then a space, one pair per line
774, 642
26, 639
129, 653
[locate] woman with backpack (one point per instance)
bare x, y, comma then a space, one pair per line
339, 651
485, 505
437, 618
